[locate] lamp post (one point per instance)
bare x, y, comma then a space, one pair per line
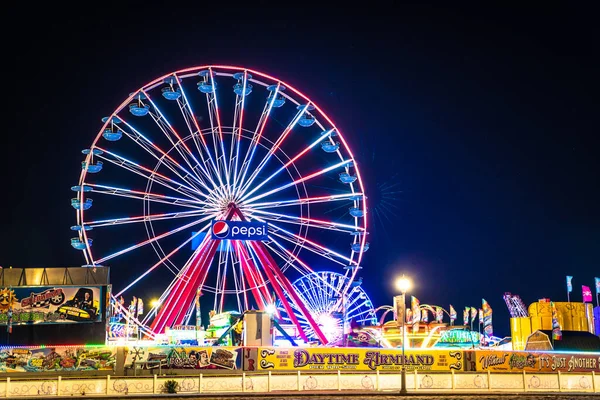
403, 284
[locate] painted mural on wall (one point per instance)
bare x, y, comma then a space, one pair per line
508, 361
57, 359
50, 305
174, 357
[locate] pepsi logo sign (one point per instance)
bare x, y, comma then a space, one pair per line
239, 230
220, 229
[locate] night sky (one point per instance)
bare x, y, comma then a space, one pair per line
476, 129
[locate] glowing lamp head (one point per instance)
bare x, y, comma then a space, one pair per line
270, 309
403, 284
155, 303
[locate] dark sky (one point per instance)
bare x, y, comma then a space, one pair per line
480, 123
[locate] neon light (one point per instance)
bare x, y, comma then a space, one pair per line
256, 137
154, 239
297, 181
284, 166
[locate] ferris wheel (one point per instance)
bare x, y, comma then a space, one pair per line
333, 300
219, 143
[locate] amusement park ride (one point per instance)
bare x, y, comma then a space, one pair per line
220, 143
207, 150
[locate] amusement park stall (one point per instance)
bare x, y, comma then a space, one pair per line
53, 306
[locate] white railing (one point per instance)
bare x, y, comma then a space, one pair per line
304, 381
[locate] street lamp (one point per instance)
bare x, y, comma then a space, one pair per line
403, 284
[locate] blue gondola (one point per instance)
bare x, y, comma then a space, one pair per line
83, 188
306, 119
79, 228
115, 120
112, 136
92, 168
138, 109
352, 267
347, 178
170, 94
170, 80
356, 212
79, 245
279, 100
96, 152
206, 87
86, 205
331, 132
329, 147
138, 96
238, 88
356, 247
240, 75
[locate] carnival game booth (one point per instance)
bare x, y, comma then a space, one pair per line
53, 306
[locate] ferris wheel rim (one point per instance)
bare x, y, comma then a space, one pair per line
177, 73
348, 160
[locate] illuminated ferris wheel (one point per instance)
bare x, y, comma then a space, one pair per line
220, 143
333, 300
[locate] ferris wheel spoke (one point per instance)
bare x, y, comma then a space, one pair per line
298, 181
236, 282
137, 137
305, 200
307, 244
254, 266
154, 239
306, 269
216, 128
241, 277
236, 134
144, 218
169, 131
146, 196
162, 260
274, 148
151, 175
262, 122
358, 306
310, 246
286, 165
311, 222
186, 109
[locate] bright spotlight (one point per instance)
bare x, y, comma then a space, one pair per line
155, 303
271, 309
403, 284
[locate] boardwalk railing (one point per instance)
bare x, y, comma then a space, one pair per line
305, 382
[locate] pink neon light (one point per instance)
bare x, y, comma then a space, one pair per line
151, 172
191, 112
250, 277
306, 199
157, 147
171, 127
304, 219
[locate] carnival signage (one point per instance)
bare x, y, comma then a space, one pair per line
50, 305
357, 359
239, 230
55, 359
174, 357
510, 361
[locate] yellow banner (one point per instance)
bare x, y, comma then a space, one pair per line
518, 361
357, 359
